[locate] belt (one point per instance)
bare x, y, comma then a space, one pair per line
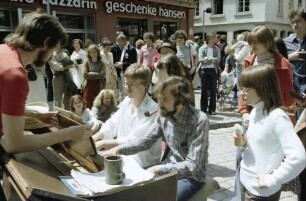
58, 73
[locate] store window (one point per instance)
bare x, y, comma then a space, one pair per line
78, 26
8, 22
72, 21
163, 30
132, 28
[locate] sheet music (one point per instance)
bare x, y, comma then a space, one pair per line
95, 182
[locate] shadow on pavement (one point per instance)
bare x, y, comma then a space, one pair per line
220, 171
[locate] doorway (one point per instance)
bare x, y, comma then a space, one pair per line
163, 30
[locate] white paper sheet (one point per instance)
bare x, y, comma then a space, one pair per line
95, 182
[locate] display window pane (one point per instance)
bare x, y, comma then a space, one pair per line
71, 21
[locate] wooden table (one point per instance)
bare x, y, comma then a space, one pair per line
35, 176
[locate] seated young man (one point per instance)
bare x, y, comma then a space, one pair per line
135, 115
185, 129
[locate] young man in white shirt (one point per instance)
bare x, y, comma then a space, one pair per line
135, 115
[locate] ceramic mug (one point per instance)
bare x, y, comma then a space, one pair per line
113, 170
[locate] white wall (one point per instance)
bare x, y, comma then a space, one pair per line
262, 12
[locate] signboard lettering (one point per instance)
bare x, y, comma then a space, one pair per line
132, 8
66, 3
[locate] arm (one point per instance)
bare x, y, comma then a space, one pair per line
91, 120
55, 66
243, 52
109, 128
15, 140
295, 158
95, 112
202, 56
195, 60
140, 60
140, 144
92, 75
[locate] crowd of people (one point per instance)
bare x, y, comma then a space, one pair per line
140, 101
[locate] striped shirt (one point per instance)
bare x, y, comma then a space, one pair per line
187, 138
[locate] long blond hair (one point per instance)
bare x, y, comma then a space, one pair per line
98, 102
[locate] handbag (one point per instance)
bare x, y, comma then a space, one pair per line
32, 76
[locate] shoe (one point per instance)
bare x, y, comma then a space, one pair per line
212, 113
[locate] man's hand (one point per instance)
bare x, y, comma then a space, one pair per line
154, 170
245, 119
106, 144
118, 64
78, 132
47, 118
113, 151
295, 56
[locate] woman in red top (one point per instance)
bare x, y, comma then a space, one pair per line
264, 51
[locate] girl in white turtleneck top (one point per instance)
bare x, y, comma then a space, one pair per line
273, 154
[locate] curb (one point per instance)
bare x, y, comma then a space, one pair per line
213, 126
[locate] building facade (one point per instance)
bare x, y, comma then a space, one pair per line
231, 17
102, 18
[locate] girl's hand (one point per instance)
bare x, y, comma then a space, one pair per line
261, 183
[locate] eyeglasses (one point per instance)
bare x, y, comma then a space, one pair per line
180, 37
132, 84
245, 90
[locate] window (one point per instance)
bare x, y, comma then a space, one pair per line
8, 19
8, 22
72, 21
243, 6
290, 4
299, 3
197, 9
218, 7
280, 7
78, 26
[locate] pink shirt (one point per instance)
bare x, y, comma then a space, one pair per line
147, 54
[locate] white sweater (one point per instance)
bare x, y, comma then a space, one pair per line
274, 150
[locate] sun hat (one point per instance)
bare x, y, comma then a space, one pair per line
168, 45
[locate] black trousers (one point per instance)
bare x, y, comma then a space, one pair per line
302, 186
2, 197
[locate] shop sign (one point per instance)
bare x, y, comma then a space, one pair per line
65, 3
132, 8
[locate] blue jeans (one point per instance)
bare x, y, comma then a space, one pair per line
238, 194
208, 83
238, 72
186, 188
